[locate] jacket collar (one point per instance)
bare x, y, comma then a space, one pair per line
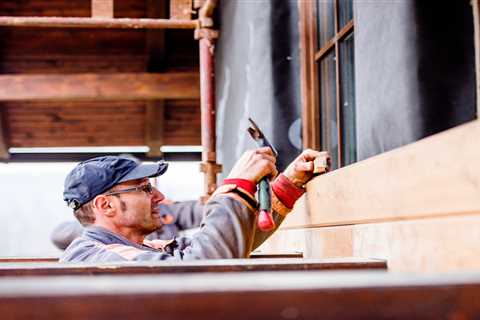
105, 236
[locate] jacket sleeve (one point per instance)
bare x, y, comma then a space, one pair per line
188, 214
226, 232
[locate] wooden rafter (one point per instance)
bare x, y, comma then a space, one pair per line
102, 23
75, 87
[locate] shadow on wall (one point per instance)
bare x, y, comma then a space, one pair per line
446, 72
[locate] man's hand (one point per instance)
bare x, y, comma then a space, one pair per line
255, 164
300, 171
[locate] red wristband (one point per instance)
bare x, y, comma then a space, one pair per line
246, 185
286, 191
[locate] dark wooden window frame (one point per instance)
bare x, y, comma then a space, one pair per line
309, 74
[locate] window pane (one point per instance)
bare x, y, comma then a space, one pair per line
347, 102
325, 21
328, 109
346, 12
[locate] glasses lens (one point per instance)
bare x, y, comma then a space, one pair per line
148, 188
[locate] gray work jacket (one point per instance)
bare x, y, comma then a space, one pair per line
183, 215
227, 231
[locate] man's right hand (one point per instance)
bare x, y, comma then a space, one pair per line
255, 164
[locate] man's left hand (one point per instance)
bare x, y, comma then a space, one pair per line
300, 170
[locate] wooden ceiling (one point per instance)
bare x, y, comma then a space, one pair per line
69, 87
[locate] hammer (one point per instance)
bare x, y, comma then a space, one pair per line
265, 220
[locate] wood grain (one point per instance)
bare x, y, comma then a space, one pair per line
75, 87
44, 124
434, 177
283, 295
203, 266
420, 246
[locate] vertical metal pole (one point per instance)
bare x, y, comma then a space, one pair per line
207, 36
207, 101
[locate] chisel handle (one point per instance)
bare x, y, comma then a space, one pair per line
265, 220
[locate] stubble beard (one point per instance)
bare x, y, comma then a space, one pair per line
145, 226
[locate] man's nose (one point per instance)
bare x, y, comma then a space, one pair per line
157, 195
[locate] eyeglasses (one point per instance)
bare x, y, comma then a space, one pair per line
147, 188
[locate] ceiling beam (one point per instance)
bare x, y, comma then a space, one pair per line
97, 23
102, 8
87, 87
77, 157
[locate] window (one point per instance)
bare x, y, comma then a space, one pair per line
327, 40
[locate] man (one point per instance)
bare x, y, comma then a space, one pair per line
174, 217
113, 196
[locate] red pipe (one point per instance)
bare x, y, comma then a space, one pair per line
209, 165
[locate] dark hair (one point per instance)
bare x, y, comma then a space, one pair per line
85, 214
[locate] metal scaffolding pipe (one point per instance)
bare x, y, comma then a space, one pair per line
100, 23
207, 39
207, 103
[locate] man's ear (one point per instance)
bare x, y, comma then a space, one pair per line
103, 205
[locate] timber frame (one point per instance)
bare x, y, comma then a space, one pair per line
152, 87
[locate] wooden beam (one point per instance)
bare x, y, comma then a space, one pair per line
102, 8
181, 9
154, 127
438, 176
200, 266
421, 246
75, 87
263, 295
98, 23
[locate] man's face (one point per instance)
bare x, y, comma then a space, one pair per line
138, 209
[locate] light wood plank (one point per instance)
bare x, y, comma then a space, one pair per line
75, 87
285, 240
429, 245
434, 177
